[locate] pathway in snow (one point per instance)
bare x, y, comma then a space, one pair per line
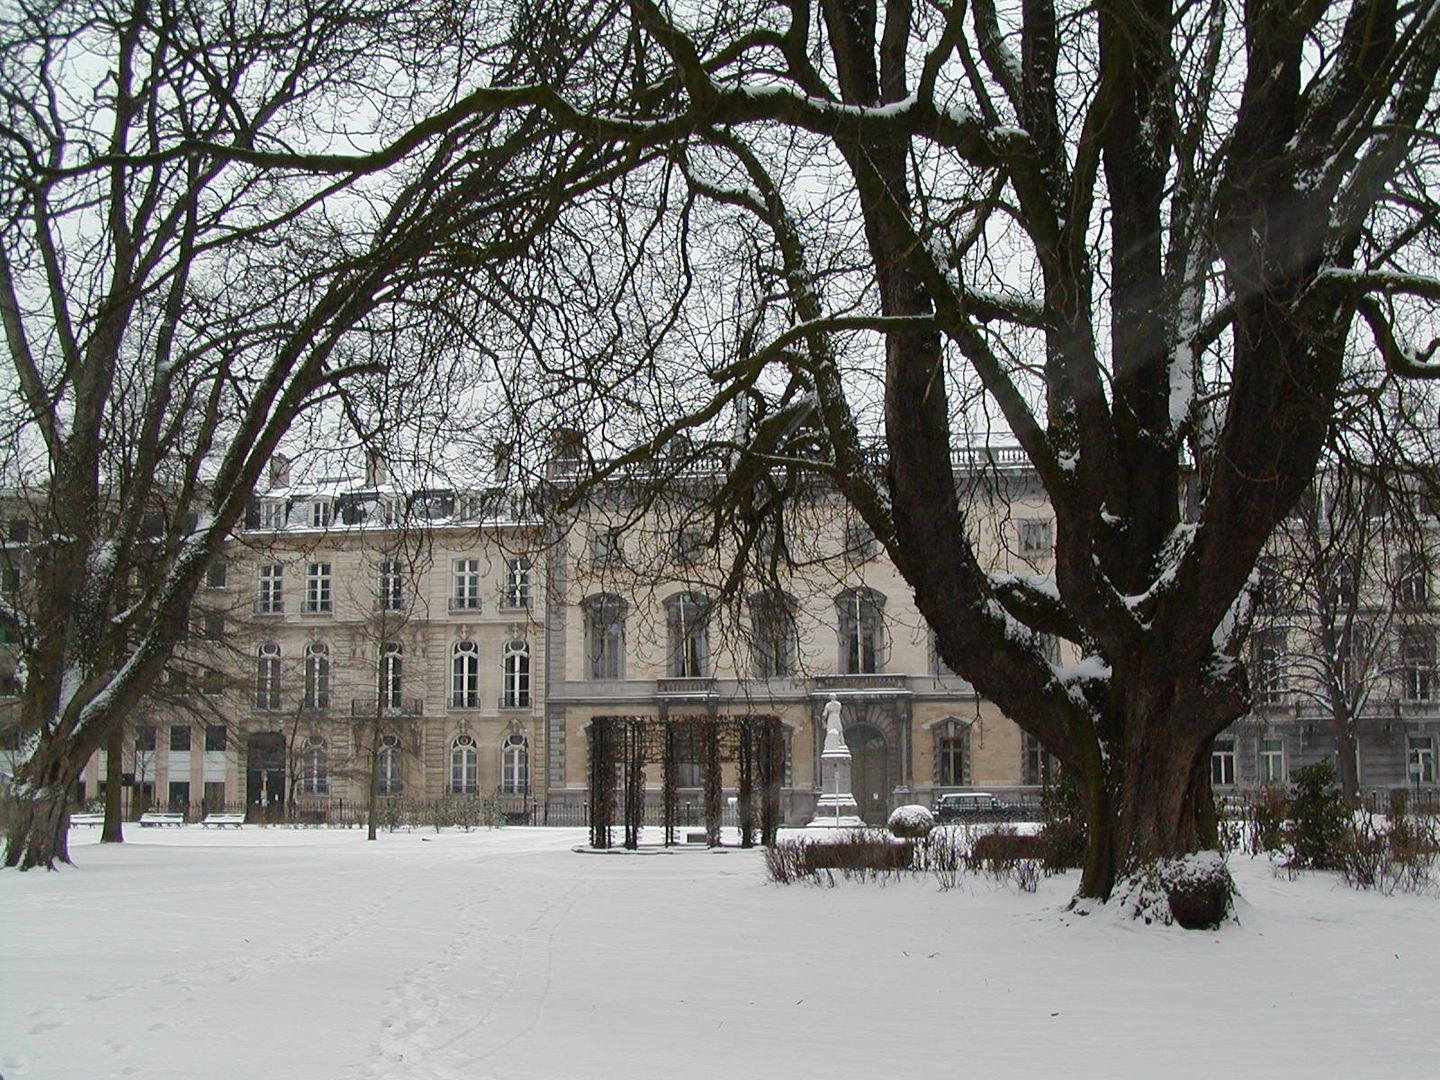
506, 955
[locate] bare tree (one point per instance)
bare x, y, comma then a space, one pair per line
1158, 245
186, 271
1344, 579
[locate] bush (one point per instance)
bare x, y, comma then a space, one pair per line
997, 853
1063, 842
1399, 856
912, 822
1265, 818
860, 853
1319, 819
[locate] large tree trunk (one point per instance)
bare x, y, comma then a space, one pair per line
1348, 755
39, 831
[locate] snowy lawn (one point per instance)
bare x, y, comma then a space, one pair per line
262, 953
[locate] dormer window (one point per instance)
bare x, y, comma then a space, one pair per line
322, 512
272, 514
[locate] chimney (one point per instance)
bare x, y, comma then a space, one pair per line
375, 471
500, 463
279, 471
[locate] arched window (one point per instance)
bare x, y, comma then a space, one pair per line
515, 766
267, 677
772, 635
516, 694
687, 621
317, 675
314, 767
392, 665
465, 675
387, 766
952, 752
464, 772
862, 631
604, 636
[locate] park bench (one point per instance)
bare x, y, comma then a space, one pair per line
87, 819
222, 820
158, 817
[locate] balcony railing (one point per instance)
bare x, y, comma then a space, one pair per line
464, 603
361, 707
685, 687
824, 683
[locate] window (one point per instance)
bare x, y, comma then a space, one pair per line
516, 693
145, 739
1412, 581
464, 774
1417, 663
179, 793
1036, 766
392, 669
272, 514
689, 546
390, 590
180, 738
862, 630
267, 677
321, 513
214, 738
859, 541
10, 580
216, 573
212, 626
314, 767
1268, 657
606, 547
270, 600
317, 675
465, 675
604, 636
515, 766
177, 681
19, 530
317, 588
1035, 539
687, 617
387, 766
1272, 760
952, 752
1222, 763
212, 682
1353, 655
516, 591
1420, 759
465, 590
772, 635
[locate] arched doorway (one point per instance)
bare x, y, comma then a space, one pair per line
265, 776
869, 772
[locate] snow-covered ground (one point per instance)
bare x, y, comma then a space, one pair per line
277, 953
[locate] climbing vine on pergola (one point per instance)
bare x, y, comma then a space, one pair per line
622, 746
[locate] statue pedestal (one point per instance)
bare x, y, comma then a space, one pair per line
836, 808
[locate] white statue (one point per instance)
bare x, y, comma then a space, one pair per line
834, 726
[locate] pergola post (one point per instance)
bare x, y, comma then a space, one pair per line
772, 773
602, 779
634, 781
670, 781
746, 764
710, 759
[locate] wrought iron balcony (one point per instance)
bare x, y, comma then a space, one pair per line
361, 707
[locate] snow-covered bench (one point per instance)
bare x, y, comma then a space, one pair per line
159, 817
222, 820
87, 819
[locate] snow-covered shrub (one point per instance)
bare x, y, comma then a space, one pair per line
1195, 891
1399, 856
912, 822
945, 854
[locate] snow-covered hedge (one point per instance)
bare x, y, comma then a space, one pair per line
911, 822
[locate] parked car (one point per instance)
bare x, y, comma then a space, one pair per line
973, 806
